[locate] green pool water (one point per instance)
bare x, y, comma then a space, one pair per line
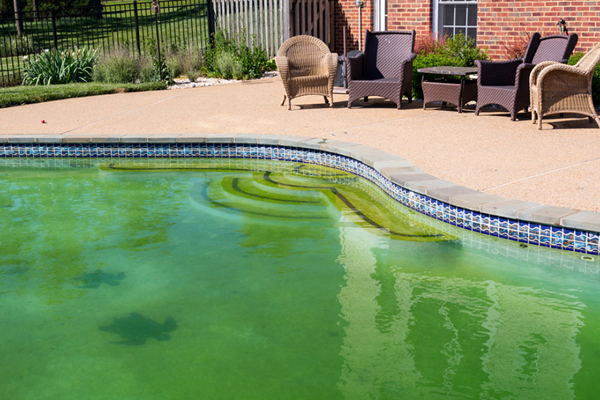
191, 279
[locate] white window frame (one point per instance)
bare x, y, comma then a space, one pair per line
437, 23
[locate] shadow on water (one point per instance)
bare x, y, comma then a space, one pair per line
136, 329
93, 280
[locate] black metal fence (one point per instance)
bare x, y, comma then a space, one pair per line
135, 25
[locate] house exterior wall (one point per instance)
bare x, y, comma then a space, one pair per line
499, 22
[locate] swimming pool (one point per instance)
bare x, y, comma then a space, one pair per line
243, 279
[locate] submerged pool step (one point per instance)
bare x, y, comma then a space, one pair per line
233, 195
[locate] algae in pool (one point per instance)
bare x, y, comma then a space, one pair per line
246, 279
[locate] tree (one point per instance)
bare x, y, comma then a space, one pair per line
18, 18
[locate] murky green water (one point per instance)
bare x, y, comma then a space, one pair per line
203, 280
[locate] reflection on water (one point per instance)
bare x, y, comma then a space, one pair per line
449, 336
232, 284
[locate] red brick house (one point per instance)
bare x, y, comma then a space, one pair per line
492, 23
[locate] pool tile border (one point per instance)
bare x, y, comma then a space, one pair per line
526, 222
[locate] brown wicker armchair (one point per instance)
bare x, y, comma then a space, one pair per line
384, 68
307, 67
558, 88
506, 83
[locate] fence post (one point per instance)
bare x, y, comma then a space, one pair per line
156, 9
211, 22
53, 13
287, 30
137, 27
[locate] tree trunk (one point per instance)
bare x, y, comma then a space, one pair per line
18, 18
35, 10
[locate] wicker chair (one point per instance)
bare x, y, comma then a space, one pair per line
384, 68
506, 83
558, 88
307, 67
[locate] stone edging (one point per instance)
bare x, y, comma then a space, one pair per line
393, 168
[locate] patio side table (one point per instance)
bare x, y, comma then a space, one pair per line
447, 90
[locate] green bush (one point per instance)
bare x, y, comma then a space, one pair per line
122, 66
182, 60
574, 59
236, 57
59, 67
17, 46
456, 51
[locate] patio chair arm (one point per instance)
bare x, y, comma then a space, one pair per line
550, 70
403, 65
329, 64
283, 66
533, 77
522, 75
354, 66
497, 73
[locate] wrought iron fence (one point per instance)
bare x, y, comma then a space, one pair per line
180, 23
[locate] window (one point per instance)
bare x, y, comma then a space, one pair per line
455, 16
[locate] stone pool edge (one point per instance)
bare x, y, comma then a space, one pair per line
395, 170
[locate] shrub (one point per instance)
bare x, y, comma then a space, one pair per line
239, 59
574, 59
457, 51
54, 67
17, 46
123, 66
118, 66
184, 61
228, 66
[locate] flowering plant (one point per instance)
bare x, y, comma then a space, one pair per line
57, 67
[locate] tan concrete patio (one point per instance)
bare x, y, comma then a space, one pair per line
559, 165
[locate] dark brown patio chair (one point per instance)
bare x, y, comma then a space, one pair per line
506, 83
558, 88
384, 68
307, 67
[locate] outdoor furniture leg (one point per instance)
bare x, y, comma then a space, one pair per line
539, 122
283, 101
326, 101
289, 104
460, 96
331, 103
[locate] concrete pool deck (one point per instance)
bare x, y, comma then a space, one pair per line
558, 166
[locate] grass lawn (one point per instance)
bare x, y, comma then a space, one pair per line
180, 23
14, 96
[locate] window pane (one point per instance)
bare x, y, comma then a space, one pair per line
448, 15
459, 30
461, 15
472, 33
448, 32
472, 15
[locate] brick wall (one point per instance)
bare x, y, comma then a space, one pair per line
502, 22
346, 15
410, 14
